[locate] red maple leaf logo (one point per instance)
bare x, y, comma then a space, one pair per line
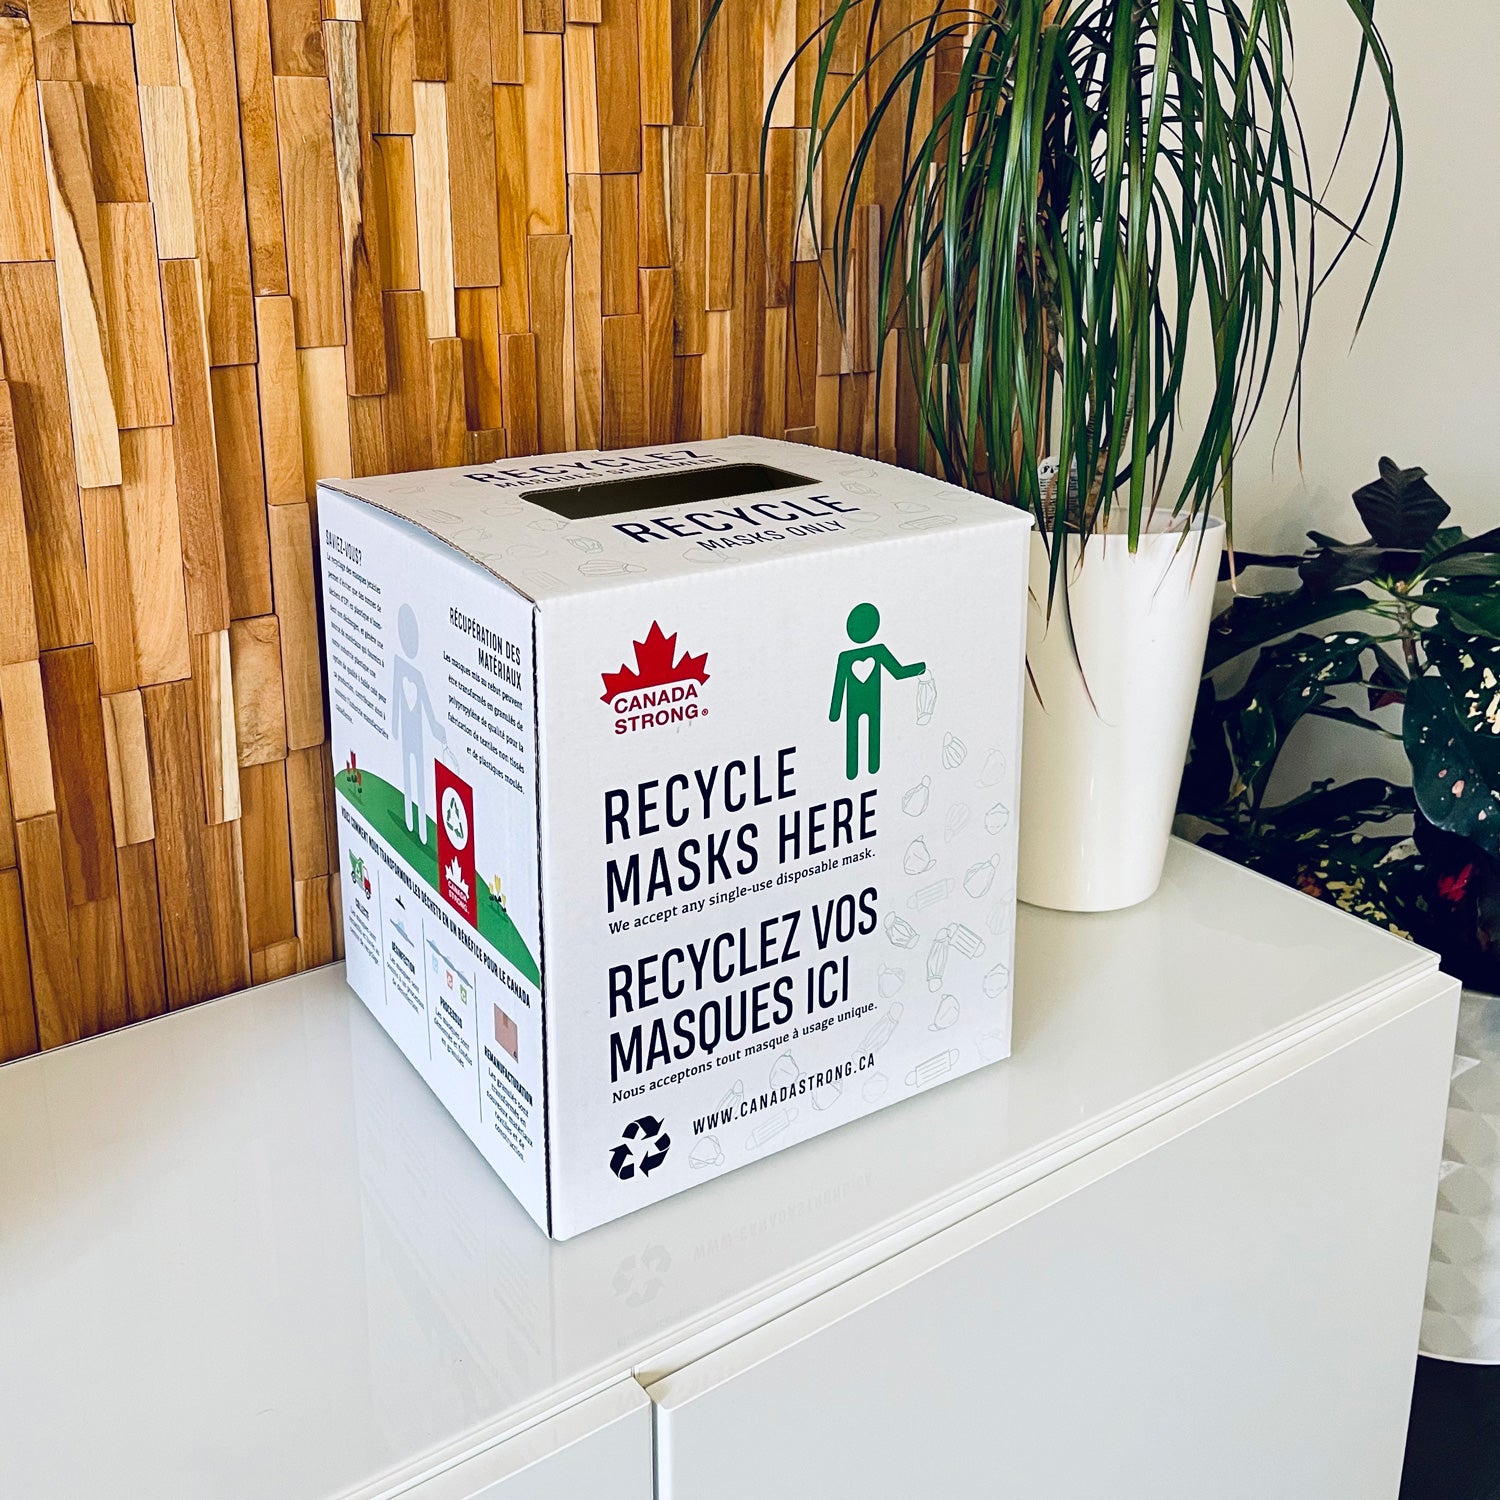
656, 663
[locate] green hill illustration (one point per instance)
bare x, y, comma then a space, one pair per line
381, 806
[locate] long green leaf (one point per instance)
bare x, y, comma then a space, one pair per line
1093, 200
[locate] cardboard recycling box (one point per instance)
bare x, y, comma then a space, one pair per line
675, 796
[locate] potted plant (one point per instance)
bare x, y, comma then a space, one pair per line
1396, 635
1081, 199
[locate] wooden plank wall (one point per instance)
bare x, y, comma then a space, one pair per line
248, 243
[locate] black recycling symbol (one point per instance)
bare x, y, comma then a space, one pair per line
643, 1149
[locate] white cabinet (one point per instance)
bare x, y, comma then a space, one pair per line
599, 1448
1224, 1305
1174, 1247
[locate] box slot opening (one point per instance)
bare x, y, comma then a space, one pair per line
620, 497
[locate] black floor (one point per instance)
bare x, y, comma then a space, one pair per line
1453, 1443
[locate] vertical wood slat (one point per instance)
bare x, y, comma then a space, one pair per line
297, 617
585, 208
581, 99
164, 130
25, 215
116, 13
546, 153
259, 705
218, 746
429, 32
434, 216
132, 300
280, 401
687, 219
28, 754
478, 323
617, 61
655, 21
60, 1014
542, 16
618, 245
276, 960
507, 40
654, 249
75, 729
180, 846
471, 145
656, 353
80, 282
18, 639
141, 923
624, 419
297, 39
108, 557
18, 1035
549, 263
396, 212
353, 164
205, 47
224, 861
268, 855
154, 554
31, 336
518, 388
363, 435
310, 204
512, 195
194, 449
257, 102
409, 411
106, 68
326, 452
240, 446
306, 801
314, 918
52, 40
154, 35
7, 817
99, 955
129, 767
392, 52
449, 424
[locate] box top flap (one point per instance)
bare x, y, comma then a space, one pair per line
576, 522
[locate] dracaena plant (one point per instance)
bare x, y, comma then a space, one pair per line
1081, 198
1406, 619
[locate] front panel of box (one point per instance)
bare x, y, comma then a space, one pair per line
778, 853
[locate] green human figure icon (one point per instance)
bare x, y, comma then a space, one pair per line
856, 686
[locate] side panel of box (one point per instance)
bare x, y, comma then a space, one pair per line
786, 852
432, 695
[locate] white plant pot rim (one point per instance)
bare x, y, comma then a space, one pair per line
1154, 524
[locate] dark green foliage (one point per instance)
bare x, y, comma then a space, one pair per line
1423, 859
1333, 564
1450, 727
1400, 509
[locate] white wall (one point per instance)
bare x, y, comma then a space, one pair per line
1422, 381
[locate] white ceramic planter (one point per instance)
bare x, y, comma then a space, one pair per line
1106, 731
1461, 1320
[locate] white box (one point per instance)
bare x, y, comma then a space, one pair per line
627, 874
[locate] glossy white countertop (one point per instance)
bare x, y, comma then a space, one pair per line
245, 1254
